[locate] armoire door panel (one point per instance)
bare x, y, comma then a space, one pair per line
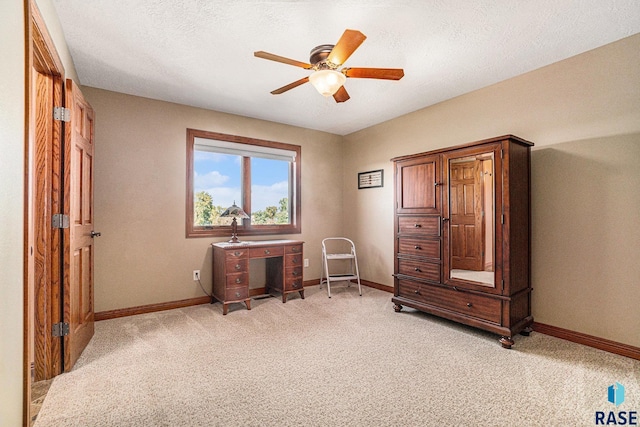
418, 186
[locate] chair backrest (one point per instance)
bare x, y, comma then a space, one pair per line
338, 245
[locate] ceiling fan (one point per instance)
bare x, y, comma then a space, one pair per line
326, 61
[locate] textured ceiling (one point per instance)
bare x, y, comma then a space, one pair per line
200, 52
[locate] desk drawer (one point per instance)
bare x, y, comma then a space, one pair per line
236, 265
266, 252
236, 253
293, 249
292, 272
237, 279
293, 260
293, 284
236, 294
481, 307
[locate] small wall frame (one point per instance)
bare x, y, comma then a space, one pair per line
371, 179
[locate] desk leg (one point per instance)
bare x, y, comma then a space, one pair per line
248, 303
301, 294
284, 297
225, 308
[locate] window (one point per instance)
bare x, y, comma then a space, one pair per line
262, 177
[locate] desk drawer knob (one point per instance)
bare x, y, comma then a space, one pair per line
295, 273
295, 249
417, 247
295, 260
267, 251
237, 253
469, 305
238, 267
238, 280
417, 225
296, 284
237, 294
418, 270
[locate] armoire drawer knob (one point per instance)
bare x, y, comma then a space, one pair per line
417, 225
418, 270
469, 305
417, 247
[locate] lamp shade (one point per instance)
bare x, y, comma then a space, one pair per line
327, 82
234, 211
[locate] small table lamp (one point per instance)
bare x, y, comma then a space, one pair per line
234, 212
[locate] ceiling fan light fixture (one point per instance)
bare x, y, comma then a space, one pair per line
327, 82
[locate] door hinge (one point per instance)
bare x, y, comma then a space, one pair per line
502, 219
61, 114
60, 329
60, 221
502, 154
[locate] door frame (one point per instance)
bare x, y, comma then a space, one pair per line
43, 197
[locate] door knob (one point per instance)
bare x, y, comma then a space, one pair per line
95, 234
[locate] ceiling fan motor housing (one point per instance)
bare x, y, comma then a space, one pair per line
320, 53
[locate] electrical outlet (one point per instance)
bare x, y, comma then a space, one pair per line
196, 274
306, 262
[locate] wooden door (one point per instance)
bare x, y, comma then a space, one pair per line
466, 216
78, 241
417, 185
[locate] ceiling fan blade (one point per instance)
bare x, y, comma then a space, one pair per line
277, 58
374, 73
290, 86
347, 44
341, 95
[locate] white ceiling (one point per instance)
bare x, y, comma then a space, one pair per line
200, 52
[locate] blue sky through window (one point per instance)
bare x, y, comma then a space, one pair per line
220, 175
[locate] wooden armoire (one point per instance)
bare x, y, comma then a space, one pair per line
463, 235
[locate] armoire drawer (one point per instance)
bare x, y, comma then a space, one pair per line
419, 225
421, 269
481, 307
419, 247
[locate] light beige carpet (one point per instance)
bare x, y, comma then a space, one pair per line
344, 361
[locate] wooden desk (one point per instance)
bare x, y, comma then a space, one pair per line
283, 260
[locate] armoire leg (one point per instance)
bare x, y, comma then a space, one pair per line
506, 342
397, 307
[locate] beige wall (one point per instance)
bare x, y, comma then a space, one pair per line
143, 256
583, 114
11, 211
